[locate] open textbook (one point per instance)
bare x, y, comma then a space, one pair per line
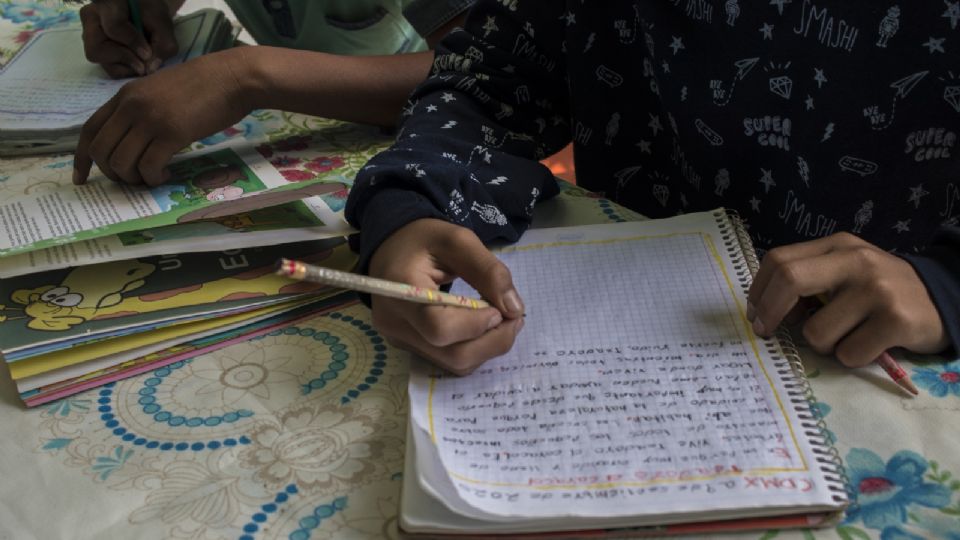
636, 398
217, 184
297, 221
49, 89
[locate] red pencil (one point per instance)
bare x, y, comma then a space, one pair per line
896, 372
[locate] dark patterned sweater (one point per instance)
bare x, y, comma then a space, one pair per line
808, 117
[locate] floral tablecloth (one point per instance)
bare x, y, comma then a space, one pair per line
302, 432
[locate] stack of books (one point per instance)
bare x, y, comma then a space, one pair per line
104, 281
64, 331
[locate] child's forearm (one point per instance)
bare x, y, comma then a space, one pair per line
366, 89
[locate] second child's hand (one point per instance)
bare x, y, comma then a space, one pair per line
111, 38
134, 135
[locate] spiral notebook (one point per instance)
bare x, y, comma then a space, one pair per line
636, 400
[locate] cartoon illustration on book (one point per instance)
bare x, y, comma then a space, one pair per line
203, 179
97, 292
223, 176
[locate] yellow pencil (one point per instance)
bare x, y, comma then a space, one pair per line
382, 287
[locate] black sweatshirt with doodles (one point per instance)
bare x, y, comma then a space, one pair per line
808, 117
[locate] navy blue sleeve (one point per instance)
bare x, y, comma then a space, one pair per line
467, 150
939, 268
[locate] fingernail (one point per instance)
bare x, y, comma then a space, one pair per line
144, 53
494, 321
758, 328
140, 68
155, 65
751, 311
520, 322
512, 302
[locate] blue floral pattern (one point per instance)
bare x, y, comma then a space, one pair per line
939, 379
38, 16
883, 492
897, 533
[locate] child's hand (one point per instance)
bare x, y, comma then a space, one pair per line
877, 300
134, 135
431, 252
111, 40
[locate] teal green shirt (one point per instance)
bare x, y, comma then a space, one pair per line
353, 27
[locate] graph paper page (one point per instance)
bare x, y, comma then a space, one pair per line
636, 386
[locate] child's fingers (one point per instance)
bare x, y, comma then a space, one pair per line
462, 254
779, 257
441, 326
845, 311
82, 160
464, 357
125, 158
112, 53
100, 49
158, 24
153, 163
121, 71
865, 343
800, 312
798, 278
115, 21
107, 139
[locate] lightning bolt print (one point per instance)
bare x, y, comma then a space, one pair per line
827, 132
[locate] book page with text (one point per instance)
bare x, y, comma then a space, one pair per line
204, 186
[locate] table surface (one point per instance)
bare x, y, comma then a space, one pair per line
305, 437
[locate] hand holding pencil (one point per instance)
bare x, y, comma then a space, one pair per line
129, 38
457, 336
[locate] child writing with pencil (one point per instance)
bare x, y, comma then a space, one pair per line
353, 60
831, 127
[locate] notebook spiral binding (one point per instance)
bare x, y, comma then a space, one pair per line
787, 361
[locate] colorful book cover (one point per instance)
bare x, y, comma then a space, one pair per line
141, 341
88, 301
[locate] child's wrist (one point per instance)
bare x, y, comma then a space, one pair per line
252, 80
